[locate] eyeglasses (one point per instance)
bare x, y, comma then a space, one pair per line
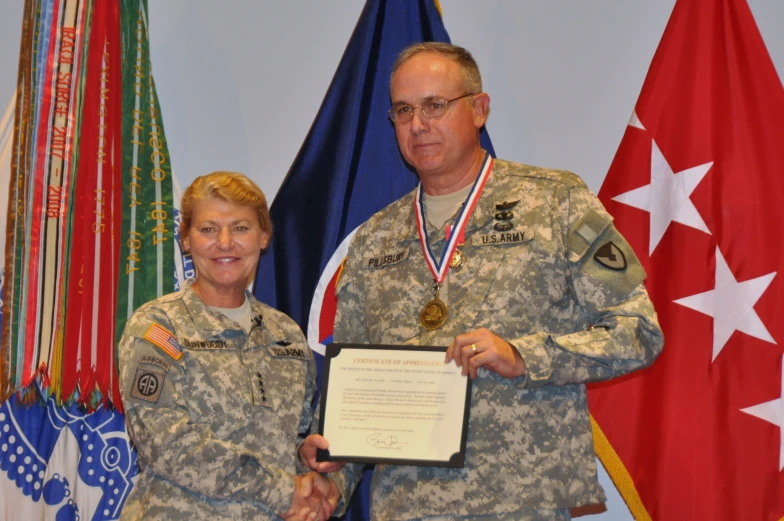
434, 108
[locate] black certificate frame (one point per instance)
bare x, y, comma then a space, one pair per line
457, 459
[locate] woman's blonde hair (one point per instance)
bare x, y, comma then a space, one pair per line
231, 187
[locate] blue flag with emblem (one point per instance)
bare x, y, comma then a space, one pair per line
63, 463
348, 168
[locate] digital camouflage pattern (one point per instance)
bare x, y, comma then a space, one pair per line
217, 429
560, 284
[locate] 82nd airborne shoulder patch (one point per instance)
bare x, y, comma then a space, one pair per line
147, 384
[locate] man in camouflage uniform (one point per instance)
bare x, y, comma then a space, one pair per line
548, 297
214, 412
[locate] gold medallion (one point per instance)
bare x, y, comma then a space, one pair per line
434, 314
457, 259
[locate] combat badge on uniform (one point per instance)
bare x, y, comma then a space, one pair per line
164, 340
504, 216
610, 256
147, 384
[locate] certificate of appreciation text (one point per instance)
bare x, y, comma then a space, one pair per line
393, 404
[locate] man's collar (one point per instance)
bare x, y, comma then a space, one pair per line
484, 211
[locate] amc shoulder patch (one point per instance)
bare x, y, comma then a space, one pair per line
610, 256
147, 384
160, 337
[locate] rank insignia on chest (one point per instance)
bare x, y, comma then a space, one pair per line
160, 337
610, 256
258, 390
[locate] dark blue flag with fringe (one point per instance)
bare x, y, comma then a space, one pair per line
348, 168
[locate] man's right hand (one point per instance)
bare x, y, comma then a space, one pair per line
307, 455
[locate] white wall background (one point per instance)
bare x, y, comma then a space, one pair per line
241, 80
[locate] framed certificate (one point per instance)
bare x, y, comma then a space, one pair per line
393, 404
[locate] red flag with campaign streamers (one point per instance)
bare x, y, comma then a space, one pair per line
696, 187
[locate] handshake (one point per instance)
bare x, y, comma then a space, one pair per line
315, 496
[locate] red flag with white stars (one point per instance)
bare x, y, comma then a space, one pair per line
697, 187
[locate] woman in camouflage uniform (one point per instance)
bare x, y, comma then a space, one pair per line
218, 386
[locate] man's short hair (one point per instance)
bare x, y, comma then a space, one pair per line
472, 80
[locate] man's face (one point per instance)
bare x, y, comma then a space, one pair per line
445, 145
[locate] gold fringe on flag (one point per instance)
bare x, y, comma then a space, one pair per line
618, 473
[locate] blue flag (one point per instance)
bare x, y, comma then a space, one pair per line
63, 463
348, 168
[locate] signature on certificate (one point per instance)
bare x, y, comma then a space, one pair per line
379, 441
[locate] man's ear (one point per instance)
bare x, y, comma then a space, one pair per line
481, 106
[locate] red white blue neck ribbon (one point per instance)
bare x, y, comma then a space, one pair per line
440, 268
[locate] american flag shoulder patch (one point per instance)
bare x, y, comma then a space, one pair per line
164, 340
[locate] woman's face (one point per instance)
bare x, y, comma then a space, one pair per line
225, 241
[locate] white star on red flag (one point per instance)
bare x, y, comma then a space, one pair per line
731, 304
703, 150
773, 412
666, 198
634, 121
